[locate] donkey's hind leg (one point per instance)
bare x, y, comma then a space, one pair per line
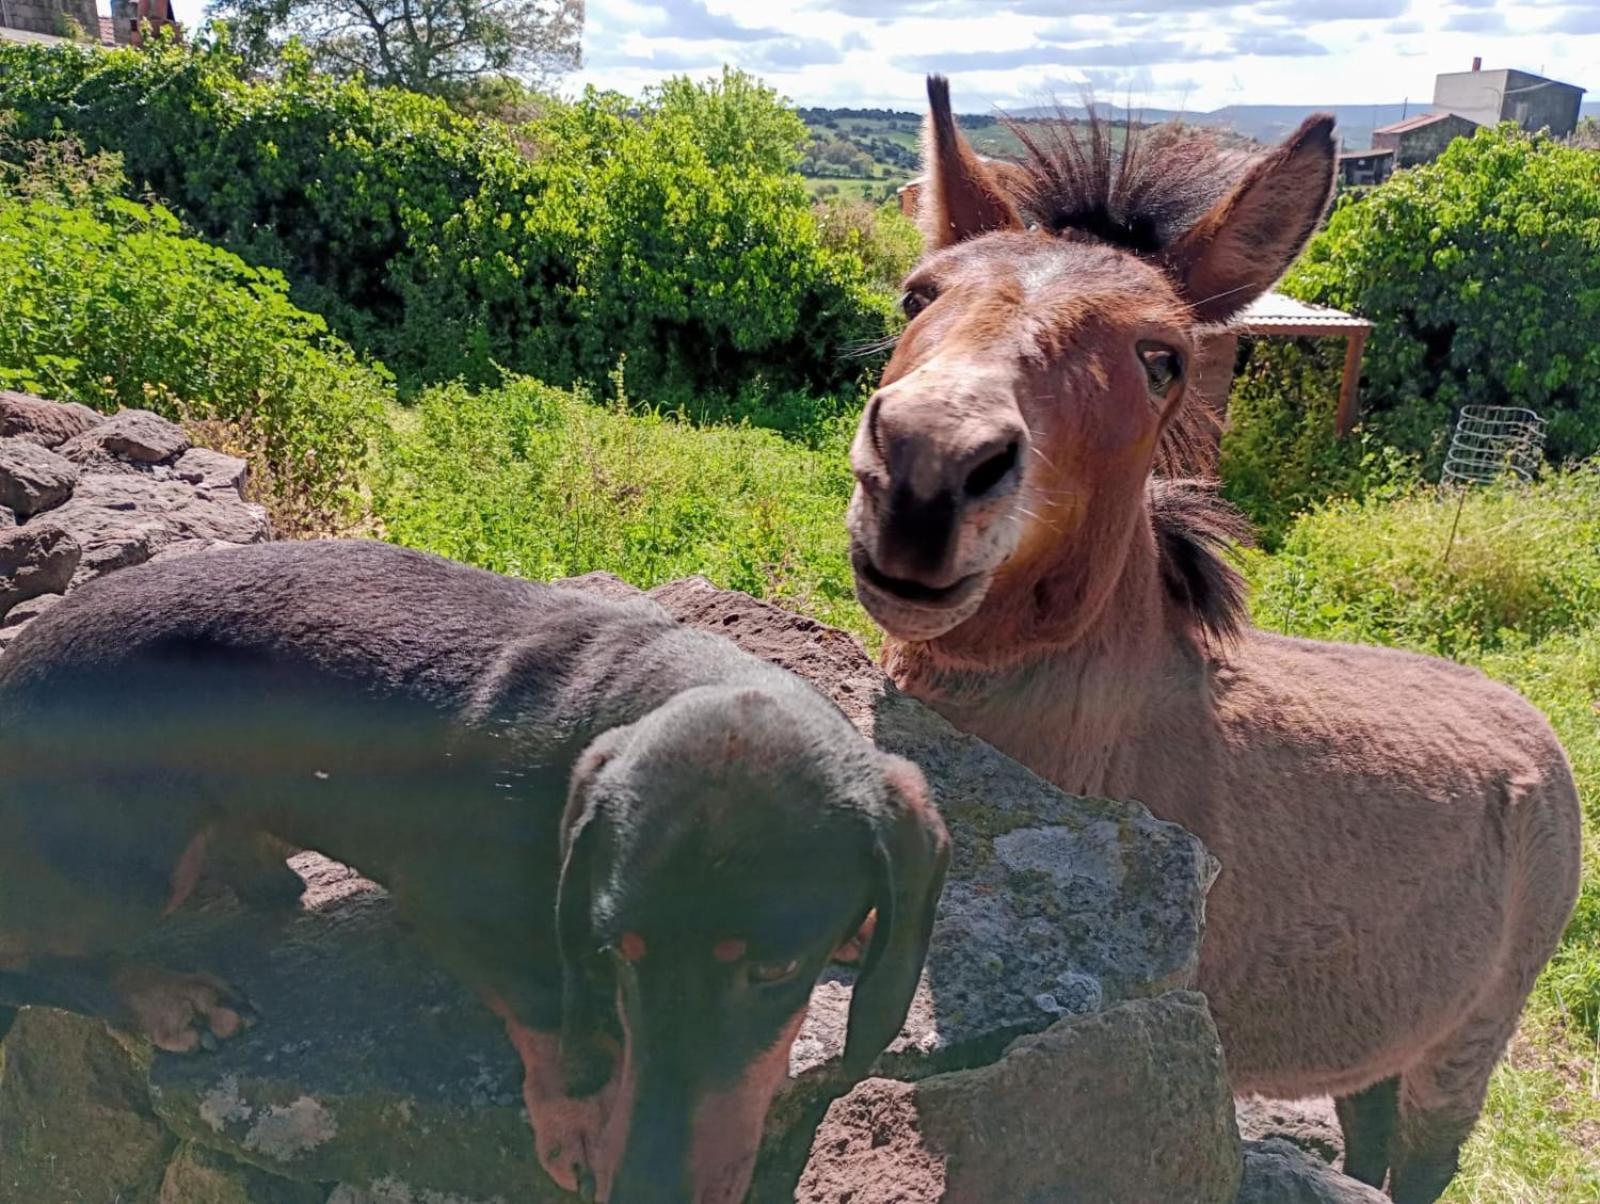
1440, 1097
1368, 1119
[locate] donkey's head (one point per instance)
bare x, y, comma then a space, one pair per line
1053, 321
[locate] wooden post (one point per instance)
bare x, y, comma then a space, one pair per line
1350, 383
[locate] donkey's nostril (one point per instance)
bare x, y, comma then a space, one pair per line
992, 471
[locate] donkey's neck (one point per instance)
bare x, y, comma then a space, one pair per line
1067, 693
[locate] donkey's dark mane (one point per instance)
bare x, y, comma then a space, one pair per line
1141, 195
1195, 529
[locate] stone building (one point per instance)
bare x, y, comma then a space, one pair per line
54, 18
1421, 139
1365, 166
1490, 97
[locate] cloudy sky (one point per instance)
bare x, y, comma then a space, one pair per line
1186, 54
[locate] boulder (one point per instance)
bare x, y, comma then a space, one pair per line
124, 519
1279, 1172
33, 478
1311, 1124
39, 558
75, 1117
134, 435
374, 1070
197, 1175
213, 470
1127, 1106
47, 423
8, 518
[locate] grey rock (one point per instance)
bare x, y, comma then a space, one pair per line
33, 478
213, 470
1278, 1172
39, 558
125, 519
135, 435
1311, 1124
47, 423
1128, 1106
26, 612
75, 1118
8, 518
197, 1175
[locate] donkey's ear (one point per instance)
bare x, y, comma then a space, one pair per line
961, 198
1238, 250
912, 853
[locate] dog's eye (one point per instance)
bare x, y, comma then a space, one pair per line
914, 300
1162, 367
767, 973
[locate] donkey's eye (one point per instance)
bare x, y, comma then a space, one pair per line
767, 973
914, 300
1162, 367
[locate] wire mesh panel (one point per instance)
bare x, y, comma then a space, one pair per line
1491, 442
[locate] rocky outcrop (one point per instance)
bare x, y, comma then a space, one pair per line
1053, 1052
1278, 1172
82, 494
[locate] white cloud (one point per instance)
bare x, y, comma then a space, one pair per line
1194, 54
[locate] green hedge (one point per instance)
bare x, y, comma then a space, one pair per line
116, 308
670, 229
1481, 275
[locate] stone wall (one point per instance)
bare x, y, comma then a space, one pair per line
1053, 1054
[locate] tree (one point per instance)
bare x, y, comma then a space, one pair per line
435, 46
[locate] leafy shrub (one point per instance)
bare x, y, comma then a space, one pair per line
671, 229
1279, 454
541, 482
1479, 274
1525, 564
887, 242
117, 309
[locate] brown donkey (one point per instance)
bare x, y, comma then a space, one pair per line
1399, 836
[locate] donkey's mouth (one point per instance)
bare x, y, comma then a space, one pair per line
914, 593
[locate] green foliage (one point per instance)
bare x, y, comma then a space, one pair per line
670, 230
1479, 272
537, 481
117, 308
886, 241
1279, 454
1525, 565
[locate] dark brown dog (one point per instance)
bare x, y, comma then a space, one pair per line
639, 844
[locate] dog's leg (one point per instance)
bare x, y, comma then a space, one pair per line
178, 1012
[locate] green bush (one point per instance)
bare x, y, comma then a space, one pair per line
1481, 274
1524, 565
117, 308
671, 230
541, 482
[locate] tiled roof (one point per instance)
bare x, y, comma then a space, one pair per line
1413, 123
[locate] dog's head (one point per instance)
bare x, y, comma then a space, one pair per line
717, 853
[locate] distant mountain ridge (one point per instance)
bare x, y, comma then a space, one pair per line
1264, 123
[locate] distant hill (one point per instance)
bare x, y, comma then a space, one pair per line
871, 152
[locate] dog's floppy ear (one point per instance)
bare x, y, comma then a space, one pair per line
582, 1009
912, 853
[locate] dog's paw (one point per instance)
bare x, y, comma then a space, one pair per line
566, 1135
181, 1013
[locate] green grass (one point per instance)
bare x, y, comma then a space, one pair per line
543, 483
